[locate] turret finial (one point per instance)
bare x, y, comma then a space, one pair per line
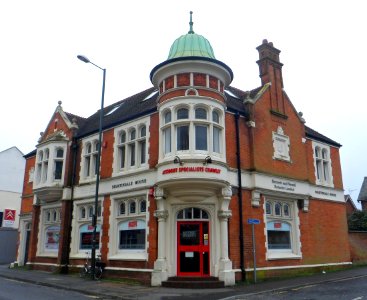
191, 24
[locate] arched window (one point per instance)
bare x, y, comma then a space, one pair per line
323, 165
122, 208
142, 145
191, 213
268, 208
82, 214
200, 113
143, 206
58, 164
90, 212
277, 209
122, 149
90, 159
132, 207
167, 133
182, 130
286, 210
182, 113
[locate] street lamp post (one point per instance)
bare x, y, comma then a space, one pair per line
94, 219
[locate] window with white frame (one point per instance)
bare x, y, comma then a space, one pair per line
192, 129
131, 147
282, 233
58, 163
50, 230
129, 228
84, 217
90, 156
322, 164
50, 164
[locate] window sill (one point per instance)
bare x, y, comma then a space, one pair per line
48, 254
282, 255
129, 255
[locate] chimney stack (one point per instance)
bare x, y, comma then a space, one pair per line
271, 72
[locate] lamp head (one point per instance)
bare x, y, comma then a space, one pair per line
83, 58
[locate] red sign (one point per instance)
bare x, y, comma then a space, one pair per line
277, 225
133, 224
9, 214
90, 227
191, 169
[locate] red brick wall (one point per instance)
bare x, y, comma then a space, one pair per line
153, 140
58, 125
324, 233
105, 227
107, 153
65, 232
27, 195
358, 246
322, 240
266, 123
230, 134
34, 233
153, 232
336, 168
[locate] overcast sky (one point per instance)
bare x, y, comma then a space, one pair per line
323, 46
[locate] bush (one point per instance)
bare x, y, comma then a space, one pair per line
358, 221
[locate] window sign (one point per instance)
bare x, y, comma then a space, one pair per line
86, 236
132, 235
52, 238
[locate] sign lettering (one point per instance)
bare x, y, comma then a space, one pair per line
191, 169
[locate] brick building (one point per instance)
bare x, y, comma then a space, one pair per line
184, 165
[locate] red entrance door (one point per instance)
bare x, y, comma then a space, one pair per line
193, 248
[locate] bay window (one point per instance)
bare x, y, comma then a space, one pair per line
195, 129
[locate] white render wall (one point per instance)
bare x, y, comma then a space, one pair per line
12, 165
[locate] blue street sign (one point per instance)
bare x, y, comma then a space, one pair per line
253, 221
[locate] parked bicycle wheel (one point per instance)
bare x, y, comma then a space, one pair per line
98, 273
83, 272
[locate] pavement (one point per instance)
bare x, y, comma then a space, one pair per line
107, 289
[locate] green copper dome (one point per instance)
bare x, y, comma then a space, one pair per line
191, 44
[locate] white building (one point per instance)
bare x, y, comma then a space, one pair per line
12, 167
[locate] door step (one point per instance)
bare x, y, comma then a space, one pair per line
193, 282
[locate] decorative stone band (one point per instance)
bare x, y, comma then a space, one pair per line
224, 214
161, 215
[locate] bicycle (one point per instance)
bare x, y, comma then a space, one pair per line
87, 268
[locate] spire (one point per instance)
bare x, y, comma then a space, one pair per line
191, 24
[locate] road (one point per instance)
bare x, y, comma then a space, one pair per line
342, 289
14, 290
